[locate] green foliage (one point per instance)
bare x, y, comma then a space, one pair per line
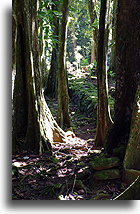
82, 31
46, 16
84, 62
111, 74
84, 94
95, 24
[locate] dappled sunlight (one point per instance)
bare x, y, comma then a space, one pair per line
138, 104
69, 69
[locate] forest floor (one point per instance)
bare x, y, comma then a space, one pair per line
67, 175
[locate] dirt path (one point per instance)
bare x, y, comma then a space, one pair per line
67, 175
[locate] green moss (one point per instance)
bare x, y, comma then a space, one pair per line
104, 163
108, 174
103, 196
84, 94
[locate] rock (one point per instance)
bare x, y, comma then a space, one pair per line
108, 174
81, 191
102, 196
101, 163
120, 151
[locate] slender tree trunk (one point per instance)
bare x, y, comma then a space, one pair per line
112, 56
127, 71
34, 128
63, 117
93, 16
14, 35
73, 40
103, 115
51, 88
107, 27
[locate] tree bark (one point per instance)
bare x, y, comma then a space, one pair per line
34, 128
132, 159
73, 41
103, 114
93, 16
127, 71
51, 88
112, 56
63, 117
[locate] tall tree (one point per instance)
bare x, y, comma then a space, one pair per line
112, 55
33, 125
51, 87
72, 38
103, 114
132, 159
63, 117
93, 18
127, 71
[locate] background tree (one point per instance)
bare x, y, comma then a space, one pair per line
113, 28
51, 87
63, 117
127, 70
33, 125
79, 33
94, 26
103, 115
72, 43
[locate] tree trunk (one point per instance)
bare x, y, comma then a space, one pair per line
63, 117
132, 159
107, 27
33, 125
73, 40
127, 71
93, 16
103, 115
112, 56
51, 88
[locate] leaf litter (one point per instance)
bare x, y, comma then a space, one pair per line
67, 174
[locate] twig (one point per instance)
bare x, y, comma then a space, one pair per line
73, 184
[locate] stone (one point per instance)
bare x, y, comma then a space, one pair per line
101, 163
119, 152
101, 196
108, 174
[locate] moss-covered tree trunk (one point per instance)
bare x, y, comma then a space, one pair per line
127, 71
131, 174
63, 117
33, 125
132, 156
103, 114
